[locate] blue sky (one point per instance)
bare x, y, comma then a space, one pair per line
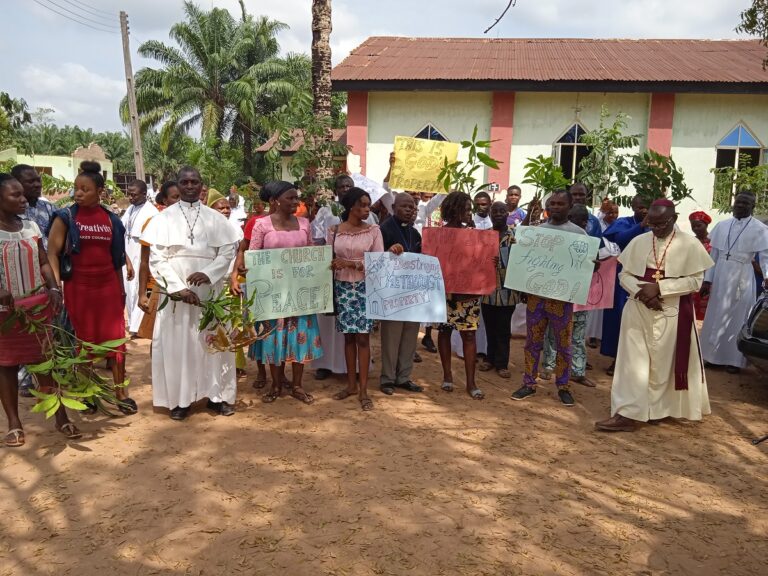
53, 62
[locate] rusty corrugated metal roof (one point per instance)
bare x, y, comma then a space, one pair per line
382, 58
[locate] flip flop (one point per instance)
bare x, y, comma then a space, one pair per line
14, 438
70, 431
127, 406
366, 404
343, 394
447, 386
302, 395
270, 396
477, 394
260, 382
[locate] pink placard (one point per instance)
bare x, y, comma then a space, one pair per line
466, 258
602, 286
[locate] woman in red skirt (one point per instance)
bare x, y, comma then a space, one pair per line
24, 271
94, 295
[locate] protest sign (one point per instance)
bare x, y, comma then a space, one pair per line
552, 263
405, 287
601, 289
418, 163
289, 281
466, 257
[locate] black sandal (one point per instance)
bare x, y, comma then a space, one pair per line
127, 406
302, 395
410, 386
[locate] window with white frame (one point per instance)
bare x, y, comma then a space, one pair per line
739, 149
429, 132
570, 151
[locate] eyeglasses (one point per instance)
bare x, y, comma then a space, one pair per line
661, 225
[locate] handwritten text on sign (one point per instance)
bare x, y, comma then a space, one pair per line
418, 163
552, 263
601, 288
290, 281
466, 258
405, 287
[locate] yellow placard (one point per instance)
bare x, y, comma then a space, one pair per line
418, 163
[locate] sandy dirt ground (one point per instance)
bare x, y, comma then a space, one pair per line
426, 484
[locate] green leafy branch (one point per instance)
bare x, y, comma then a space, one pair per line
463, 175
655, 176
545, 175
69, 362
729, 181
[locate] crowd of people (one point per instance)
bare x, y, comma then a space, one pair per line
105, 275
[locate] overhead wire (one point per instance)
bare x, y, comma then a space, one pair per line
89, 7
79, 15
108, 16
64, 15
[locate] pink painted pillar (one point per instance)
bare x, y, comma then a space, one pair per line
660, 119
502, 119
357, 125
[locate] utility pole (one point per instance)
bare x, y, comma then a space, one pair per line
138, 156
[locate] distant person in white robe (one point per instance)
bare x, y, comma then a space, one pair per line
191, 249
238, 215
134, 220
659, 371
731, 283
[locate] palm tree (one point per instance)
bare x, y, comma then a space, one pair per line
224, 77
321, 80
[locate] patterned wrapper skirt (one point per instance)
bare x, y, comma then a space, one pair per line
294, 339
350, 305
462, 315
17, 346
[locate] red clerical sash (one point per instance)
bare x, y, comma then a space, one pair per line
685, 319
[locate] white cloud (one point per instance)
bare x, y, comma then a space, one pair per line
77, 95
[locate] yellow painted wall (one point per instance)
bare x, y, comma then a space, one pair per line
701, 121
61, 166
392, 114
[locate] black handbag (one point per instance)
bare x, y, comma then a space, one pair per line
333, 277
65, 259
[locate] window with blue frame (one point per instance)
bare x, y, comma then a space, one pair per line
429, 132
570, 151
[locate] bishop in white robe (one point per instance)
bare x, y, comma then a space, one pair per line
731, 283
191, 249
659, 372
134, 220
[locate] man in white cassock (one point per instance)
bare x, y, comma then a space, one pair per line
731, 283
659, 371
191, 249
134, 220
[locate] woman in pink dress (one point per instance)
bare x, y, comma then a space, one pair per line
295, 339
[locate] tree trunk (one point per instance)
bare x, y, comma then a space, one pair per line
247, 152
321, 87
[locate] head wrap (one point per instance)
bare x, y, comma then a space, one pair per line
214, 196
663, 202
701, 217
273, 190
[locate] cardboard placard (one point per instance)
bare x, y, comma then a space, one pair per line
407, 287
601, 289
290, 281
418, 163
552, 263
466, 258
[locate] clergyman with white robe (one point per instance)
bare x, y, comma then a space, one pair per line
191, 250
134, 221
731, 283
659, 371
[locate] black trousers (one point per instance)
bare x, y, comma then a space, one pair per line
498, 331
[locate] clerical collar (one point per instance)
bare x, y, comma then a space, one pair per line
186, 204
401, 223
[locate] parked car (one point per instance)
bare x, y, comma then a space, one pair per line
753, 339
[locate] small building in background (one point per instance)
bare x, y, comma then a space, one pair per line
704, 102
63, 167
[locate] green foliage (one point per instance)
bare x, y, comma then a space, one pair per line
655, 176
545, 175
730, 181
297, 120
219, 162
605, 170
754, 21
163, 159
68, 361
14, 115
462, 175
